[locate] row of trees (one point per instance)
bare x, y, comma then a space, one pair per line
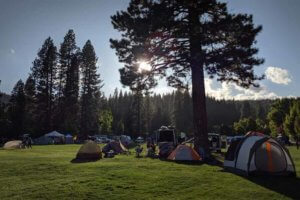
119, 113
282, 117
62, 92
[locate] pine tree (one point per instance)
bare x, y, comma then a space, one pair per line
148, 113
17, 110
4, 120
90, 92
291, 122
30, 110
182, 38
277, 114
245, 110
44, 72
68, 89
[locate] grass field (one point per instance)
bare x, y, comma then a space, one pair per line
45, 172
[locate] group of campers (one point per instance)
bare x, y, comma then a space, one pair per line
27, 141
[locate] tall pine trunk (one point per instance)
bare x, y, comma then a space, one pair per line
198, 87
199, 109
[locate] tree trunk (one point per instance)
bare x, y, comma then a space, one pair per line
199, 111
198, 88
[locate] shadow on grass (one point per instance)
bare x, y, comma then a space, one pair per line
182, 162
286, 185
83, 160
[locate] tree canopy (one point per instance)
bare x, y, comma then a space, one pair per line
181, 39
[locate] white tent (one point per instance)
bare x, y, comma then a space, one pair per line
259, 154
54, 134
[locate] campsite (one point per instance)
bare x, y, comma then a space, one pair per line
46, 172
149, 99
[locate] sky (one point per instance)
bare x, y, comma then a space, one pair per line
24, 25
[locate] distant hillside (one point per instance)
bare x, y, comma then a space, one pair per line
4, 98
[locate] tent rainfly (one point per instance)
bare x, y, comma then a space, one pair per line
257, 153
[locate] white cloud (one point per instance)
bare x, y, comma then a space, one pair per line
278, 75
163, 90
232, 91
12, 51
98, 64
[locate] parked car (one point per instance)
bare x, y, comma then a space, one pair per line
215, 142
139, 140
98, 140
166, 140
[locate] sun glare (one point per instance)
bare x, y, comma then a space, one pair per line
144, 66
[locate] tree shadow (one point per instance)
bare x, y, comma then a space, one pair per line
75, 160
288, 186
182, 162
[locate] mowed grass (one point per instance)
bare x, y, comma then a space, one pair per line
45, 172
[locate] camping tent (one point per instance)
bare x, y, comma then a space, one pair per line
259, 154
124, 149
165, 149
15, 144
115, 146
184, 153
89, 151
69, 139
126, 140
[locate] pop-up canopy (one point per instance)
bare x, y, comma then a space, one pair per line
54, 134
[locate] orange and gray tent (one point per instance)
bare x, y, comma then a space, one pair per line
184, 153
259, 154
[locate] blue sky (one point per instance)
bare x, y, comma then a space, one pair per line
24, 25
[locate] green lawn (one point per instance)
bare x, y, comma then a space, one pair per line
45, 172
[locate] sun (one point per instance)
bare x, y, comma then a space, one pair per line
144, 66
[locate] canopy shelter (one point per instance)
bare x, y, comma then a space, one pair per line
54, 134
69, 139
259, 154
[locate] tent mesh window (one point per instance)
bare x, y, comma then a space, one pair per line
269, 157
166, 136
230, 155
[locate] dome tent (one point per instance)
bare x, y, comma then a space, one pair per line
89, 151
14, 144
184, 153
114, 146
259, 154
